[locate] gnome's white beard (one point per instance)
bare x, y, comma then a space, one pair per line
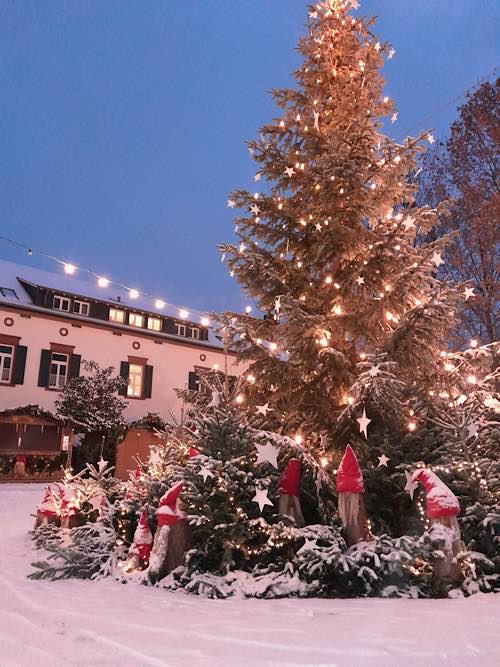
349, 507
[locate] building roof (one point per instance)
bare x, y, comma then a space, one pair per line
12, 276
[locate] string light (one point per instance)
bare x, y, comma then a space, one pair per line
183, 314
102, 282
70, 269
159, 304
133, 294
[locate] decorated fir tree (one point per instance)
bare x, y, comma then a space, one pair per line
328, 247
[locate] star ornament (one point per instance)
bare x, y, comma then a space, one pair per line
382, 460
267, 454
363, 422
257, 176
437, 260
289, 171
231, 203
360, 280
309, 545
408, 224
261, 498
430, 138
205, 472
392, 53
411, 485
468, 292
374, 371
154, 457
394, 117
255, 209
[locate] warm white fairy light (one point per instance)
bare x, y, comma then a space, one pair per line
251, 378
69, 269
248, 309
159, 304
412, 426
328, 280
337, 310
205, 321
239, 399
133, 294
298, 438
362, 356
472, 379
215, 367
324, 461
183, 314
273, 346
473, 342
102, 282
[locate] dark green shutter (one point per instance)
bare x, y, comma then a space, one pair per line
19, 364
44, 372
148, 381
124, 370
74, 366
193, 381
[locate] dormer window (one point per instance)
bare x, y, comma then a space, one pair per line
61, 303
194, 332
180, 329
116, 315
81, 307
136, 319
154, 323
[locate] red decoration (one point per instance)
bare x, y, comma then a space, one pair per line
290, 479
168, 511
440, 501
192, 452
143, 539
47, 507
349, 475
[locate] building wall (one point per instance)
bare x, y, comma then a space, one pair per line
171, 361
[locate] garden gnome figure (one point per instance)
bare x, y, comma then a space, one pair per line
290, 491
442, 508
140, 549
20, 466
47, 512
350, 488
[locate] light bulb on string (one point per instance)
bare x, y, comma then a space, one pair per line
70, 269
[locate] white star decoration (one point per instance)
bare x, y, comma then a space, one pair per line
289, 171
215, 402
267, 454
382, 460
257, 176
430, 138
394, 117
205, 472
318, 226
255, 209
410, 486
261, 498
154, 457
409, 223
360, 280
231, 203
392, 52
101, 464
468, 292
262, 409
374, 371
316, 120
437, 260
377, 47
363, 422
354, 4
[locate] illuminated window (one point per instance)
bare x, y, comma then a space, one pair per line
116, 315
136, 319
135, 380
154, 323
58, 369
61, 303
6, 359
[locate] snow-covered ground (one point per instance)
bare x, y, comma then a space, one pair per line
106, 623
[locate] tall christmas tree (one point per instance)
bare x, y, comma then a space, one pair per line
329, 247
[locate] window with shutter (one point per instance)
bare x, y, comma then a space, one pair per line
44, 371
6, 363
74, 366
124, 369
19, 364
148, 382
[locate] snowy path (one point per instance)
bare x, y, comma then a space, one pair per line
105, 623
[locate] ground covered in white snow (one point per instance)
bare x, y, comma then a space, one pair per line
107, 623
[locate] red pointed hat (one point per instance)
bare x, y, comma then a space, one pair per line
48, 505
440, 501
349, 475
192, 452
168, 511
290, 479
143, 539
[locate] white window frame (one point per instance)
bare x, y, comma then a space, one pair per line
136, 320
84, 307
62, 300
58, 378
135, 386
112, 318
6, 356
155, 320
180, 329
194, 333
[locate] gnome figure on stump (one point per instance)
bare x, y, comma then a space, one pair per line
350, 488
140, 549
442, 508
289, 493
172, 537
47, 512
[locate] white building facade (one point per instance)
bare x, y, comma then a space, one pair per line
51, 323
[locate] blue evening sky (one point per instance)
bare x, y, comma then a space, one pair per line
122, 122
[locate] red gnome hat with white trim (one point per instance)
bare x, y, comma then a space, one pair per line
290, 479
143, 539
440, 501
168, 511
349, 475
48, 505
192, 452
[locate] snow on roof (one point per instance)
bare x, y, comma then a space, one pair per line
12, 291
